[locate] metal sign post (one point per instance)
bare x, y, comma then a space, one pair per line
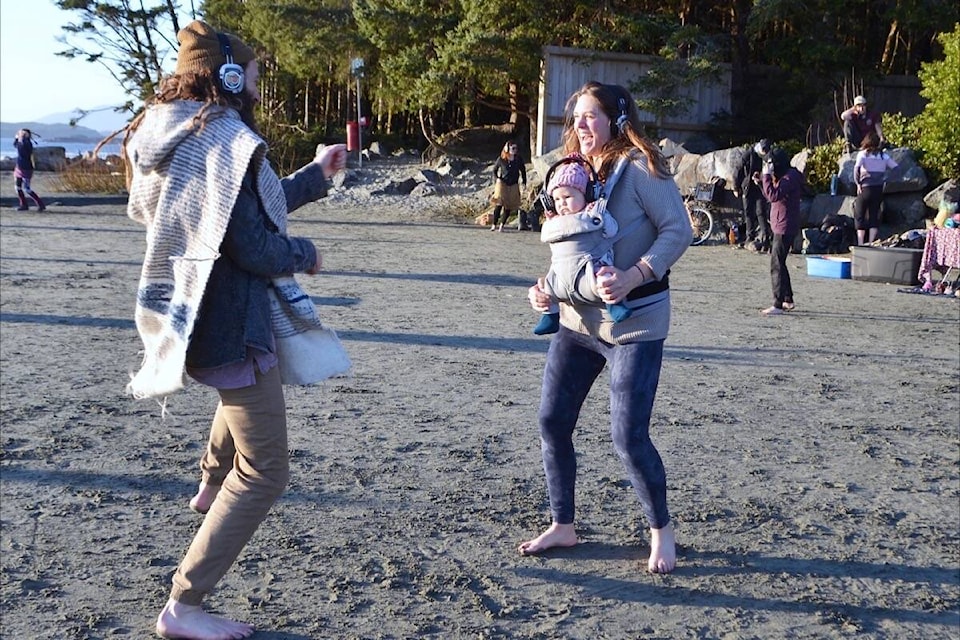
356, 70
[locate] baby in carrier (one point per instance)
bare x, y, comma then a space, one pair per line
580, 236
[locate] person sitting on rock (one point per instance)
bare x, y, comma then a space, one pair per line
857, 122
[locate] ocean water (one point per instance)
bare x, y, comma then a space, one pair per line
73, 149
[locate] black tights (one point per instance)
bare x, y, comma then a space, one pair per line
496, 214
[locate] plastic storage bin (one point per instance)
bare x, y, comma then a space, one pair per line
828, 267
893, 265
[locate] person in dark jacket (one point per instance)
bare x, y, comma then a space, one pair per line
756, 229
508, 173
782, 186
217, 247
23, 171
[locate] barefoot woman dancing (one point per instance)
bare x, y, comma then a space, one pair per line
603, 125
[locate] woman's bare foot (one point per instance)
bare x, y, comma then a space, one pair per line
558, 535
189, 622
663, 550
206, 494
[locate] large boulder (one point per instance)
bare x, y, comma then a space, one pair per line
908, 176
949, 190
49, 158
692, 169
397, 188
823, 205
542, 164
450, 166
799, 161
686, 174
904, 210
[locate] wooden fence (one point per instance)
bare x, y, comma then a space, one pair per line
564, 70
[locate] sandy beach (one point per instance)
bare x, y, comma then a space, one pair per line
812, 458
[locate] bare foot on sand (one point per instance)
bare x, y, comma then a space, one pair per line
558, 535
663, 550
206, 494
188, 622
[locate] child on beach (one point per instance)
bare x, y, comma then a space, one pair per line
23, 171
576, 232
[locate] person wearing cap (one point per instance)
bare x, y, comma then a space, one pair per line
857, 121
603, 126
575, 231
756, 230
217, 262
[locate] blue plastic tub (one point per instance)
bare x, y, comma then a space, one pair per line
828, 267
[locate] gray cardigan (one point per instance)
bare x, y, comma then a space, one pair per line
659, 241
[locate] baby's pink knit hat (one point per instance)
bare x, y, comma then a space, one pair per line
572, 174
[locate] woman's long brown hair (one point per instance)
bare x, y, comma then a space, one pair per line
623, 140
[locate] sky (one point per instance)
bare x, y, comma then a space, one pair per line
33, 81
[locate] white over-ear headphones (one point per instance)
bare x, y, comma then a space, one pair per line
231, 74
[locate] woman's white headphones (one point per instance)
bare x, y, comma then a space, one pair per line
231, 74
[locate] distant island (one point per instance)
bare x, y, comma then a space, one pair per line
53, 132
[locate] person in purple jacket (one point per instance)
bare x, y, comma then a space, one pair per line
23, 172
782, 186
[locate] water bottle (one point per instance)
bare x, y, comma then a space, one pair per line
834, 184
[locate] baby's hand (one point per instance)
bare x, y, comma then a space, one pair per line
538, 299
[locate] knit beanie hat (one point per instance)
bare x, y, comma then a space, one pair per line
200, 49
571, 175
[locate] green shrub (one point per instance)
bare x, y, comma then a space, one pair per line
939, 123
791, 146
290, 147
822, 165
901, 131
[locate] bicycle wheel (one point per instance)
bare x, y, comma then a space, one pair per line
702, 223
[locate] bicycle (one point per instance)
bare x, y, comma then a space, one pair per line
699, 206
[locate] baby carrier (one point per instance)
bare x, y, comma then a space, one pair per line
580, 243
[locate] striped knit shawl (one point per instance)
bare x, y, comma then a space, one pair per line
185, 182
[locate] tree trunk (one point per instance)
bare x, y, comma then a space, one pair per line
306, 104
890, 48
534, 128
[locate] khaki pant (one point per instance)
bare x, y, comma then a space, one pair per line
249, 428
